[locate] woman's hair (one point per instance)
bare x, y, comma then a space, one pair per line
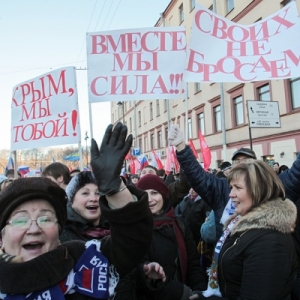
282, 168
262, 183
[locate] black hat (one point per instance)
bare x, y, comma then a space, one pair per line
78, 182
225, 165
25, 189
246, 151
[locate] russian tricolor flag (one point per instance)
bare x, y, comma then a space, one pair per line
143, 162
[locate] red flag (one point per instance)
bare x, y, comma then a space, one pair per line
206, 154
193, 148
160, 166
132, 165
175, 161
128, 155
168, 165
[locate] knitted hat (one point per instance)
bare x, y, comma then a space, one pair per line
153, 182
78, 182
244, 151
25, 189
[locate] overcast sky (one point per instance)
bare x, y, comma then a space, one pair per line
37, 36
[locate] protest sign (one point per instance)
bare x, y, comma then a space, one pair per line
44, 111
224, 51
136, 64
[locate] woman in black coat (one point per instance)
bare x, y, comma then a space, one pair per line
173, 247
255, 257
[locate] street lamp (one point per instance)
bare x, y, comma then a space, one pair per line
86, 149
121, 103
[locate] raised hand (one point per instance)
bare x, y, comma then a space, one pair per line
176, 137
107, 161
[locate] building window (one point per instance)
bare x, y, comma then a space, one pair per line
264, 93
197, 87
181, 13
192, 3
130, 124
230, 5
295, 92
201, 125
140, 145
157, 108
217, 118
145, 143
238, 110
190, 134
165, 104
151, 111
152, 141
159, 140
140, 118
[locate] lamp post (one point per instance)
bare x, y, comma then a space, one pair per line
86, 149
121, 104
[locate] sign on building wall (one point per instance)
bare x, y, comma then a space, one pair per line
136, 64
44, 111
223, 51
263, 114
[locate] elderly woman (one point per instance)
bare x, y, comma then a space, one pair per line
173, 246
32, 214
255, 256
84, 214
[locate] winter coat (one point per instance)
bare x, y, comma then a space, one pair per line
178, 189
258, 260
76, 224
131, 236
165, 251
193, 211
215, 191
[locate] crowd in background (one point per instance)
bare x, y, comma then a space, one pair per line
193, 234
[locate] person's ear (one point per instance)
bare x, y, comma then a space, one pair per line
60, 179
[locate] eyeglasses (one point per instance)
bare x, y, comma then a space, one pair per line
244, 160
25, 222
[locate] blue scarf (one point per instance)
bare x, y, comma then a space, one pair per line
89, 277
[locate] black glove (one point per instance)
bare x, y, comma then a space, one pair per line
107, 161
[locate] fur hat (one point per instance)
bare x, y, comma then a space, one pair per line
153, 182
25, 189
244, 151
78, 182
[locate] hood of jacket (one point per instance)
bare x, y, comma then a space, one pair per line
276, 214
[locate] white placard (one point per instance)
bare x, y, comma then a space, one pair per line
44, 111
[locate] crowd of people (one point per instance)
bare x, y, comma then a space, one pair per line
227, 234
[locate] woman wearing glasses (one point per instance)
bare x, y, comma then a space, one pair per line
33, 263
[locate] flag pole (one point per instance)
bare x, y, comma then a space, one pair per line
222, 105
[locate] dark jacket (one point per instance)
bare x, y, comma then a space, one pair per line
258, 260
76, 225
215, 191
131, 237
165, 251
178, 189
193, 211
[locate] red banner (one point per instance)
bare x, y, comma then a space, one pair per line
206, 154
160, 166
